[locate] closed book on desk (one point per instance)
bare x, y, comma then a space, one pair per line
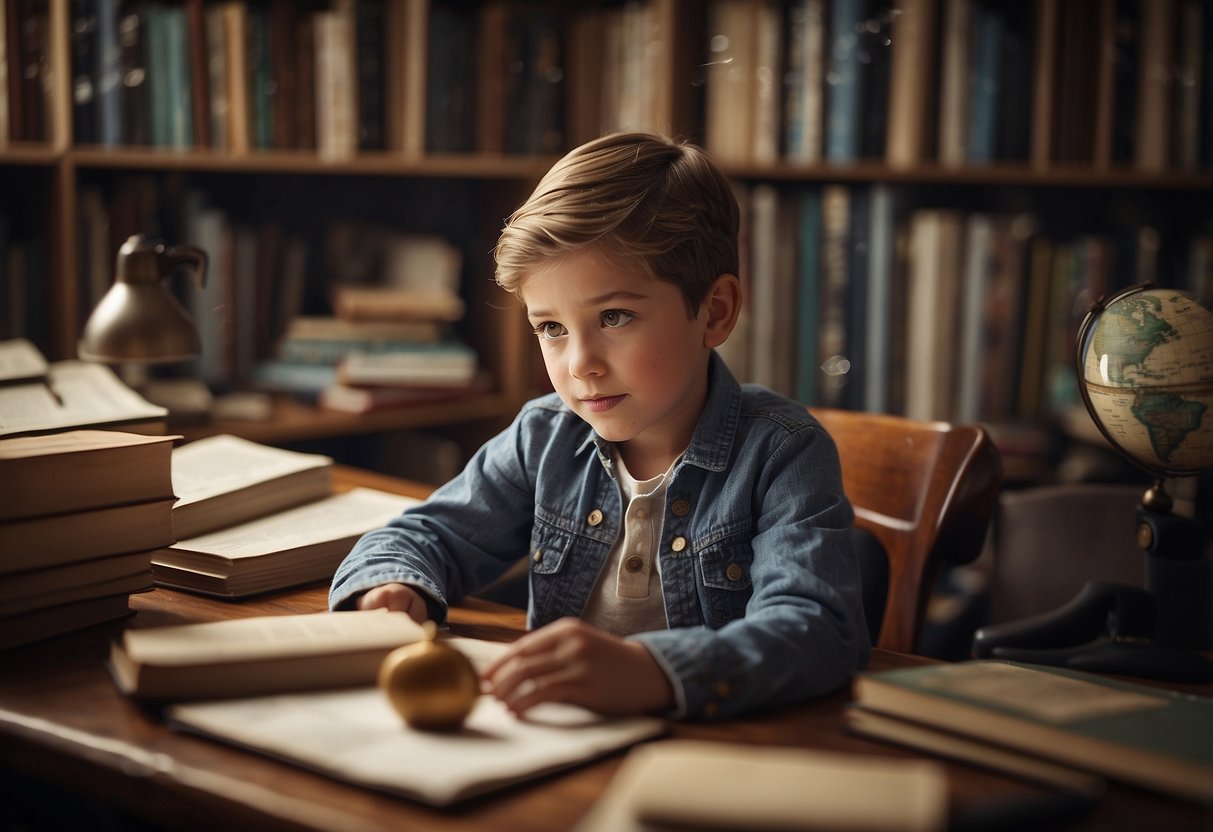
42, 542
294, 547
252, 656
1147, 736
46, 623
224, 481
81, 469
688, 784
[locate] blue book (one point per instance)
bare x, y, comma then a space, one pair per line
844, 85
109, 74
808, 295
986, 37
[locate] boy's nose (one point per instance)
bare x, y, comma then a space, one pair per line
584, 359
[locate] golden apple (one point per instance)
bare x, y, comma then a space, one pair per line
430, 684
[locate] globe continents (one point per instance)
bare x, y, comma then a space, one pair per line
1146, 360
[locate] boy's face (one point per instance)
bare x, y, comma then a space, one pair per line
622, 353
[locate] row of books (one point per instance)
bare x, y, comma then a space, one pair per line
339, 78
852, 301
962, 82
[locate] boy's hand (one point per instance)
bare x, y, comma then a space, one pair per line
570, 661
395, 598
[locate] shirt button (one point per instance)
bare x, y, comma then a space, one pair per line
681, 508
633, 564
678, 544
733, 572
641, 514
595, 517
722, 689
537, 556
710, 709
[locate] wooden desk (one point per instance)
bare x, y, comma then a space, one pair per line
63, 721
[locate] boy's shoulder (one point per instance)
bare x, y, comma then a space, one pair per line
762, 403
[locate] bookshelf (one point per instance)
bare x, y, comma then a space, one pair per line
1080, 168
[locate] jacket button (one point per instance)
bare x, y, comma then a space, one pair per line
633, 564
733, 572
678, 544
681, 508
537, 556
595, 517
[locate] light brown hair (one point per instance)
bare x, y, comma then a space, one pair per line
644, 199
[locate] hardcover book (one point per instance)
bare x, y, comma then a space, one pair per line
1147, 736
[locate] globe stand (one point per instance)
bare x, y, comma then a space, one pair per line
1179, 571
1155, 632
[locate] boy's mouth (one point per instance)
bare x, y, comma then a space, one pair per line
601, 404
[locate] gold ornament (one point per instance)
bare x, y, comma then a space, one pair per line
430, 684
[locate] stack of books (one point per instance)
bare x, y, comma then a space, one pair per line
80, 513
252, 519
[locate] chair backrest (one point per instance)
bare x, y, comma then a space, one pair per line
926, 491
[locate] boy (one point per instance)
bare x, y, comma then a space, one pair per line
689, 541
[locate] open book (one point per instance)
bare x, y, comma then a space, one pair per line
77, 394
293, 547
365, 742
224, 480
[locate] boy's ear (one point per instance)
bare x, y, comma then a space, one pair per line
723, 303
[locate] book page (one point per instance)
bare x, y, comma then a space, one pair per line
21, 360
75, 394
265, 637
342, 515
354, 735
219, 464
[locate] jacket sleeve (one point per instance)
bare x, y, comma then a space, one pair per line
466, 534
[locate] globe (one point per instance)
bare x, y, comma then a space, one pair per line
1145, 364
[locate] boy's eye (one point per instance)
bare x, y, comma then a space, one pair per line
548, 330
616, 318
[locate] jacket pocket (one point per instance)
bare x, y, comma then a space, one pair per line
724, 575
550, 549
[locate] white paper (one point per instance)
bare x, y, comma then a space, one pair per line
354, 735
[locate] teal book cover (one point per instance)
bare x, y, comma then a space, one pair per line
1154, 737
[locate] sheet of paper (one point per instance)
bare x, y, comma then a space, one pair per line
219, 464
354, 735
75, 394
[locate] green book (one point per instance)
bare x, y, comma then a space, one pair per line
1151, 737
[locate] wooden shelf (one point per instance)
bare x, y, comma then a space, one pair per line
293, 421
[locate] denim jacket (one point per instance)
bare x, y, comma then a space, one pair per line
761, 587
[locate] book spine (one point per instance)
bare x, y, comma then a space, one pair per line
84, 71
198, 75
844, 99
134, 113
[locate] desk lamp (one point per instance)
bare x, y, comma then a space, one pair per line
139, 322
1145, 369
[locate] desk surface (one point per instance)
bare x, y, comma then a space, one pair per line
62, 720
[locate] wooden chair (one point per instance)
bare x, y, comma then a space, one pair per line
926, 491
